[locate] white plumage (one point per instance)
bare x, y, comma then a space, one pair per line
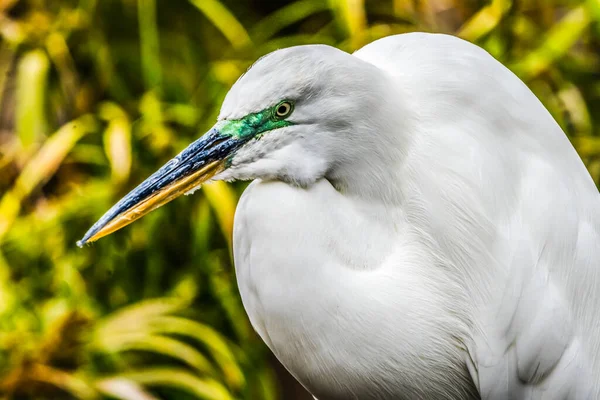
424, 231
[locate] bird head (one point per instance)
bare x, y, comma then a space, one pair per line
297, 115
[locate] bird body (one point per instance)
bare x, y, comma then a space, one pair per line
330, 309
419, 227
477, 270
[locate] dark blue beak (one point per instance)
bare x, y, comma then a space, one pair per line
196, 164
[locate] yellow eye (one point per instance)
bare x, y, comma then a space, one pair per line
283, 109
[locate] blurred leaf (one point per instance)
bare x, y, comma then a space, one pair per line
123, 389
223, 290
182, 114
223, 202
209, 337
117, 141
149, 44
58, 50
6, 4
172, 377
404, 8
353, 17
6, 59
485, 20
42, 166
576, 109
229, 26
286, 16
48, 159
144, 341
593, 7
38, 373
267, 379
133, 316
558, 41
31, 97
587, 146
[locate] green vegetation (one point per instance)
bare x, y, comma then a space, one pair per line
95, 95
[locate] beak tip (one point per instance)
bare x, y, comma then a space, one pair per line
88, 237
83, 241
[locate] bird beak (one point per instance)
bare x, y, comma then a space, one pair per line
196, 164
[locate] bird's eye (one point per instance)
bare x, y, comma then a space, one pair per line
283, 109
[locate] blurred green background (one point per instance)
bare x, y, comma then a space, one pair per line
97, 94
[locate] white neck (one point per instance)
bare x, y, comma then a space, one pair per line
375, 160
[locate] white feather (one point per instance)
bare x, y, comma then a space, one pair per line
425, 230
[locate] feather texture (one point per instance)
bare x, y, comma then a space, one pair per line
442, 241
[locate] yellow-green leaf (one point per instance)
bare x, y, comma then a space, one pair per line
157, 344
223, 201
32, 77
117, 144
224, 20
42, 166
485, 20
203, 388
124, 389
559, 39
209, 337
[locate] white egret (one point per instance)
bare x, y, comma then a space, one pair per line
419, 227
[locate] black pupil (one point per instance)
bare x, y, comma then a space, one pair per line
282, 110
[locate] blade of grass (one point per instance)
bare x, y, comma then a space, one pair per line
131, 317
351, 16
166, 346
42, 166
7, 56
485, 20
593, 7
224, 291
38, 373
7, 4
587, 146
32, 77
203, 388
404, 8
222, 18
557, 43
575, 106
59, 53
207, 336
123, 389
117, 141
223, 202
286, 16
149, 44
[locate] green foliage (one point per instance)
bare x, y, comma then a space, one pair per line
95, 95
